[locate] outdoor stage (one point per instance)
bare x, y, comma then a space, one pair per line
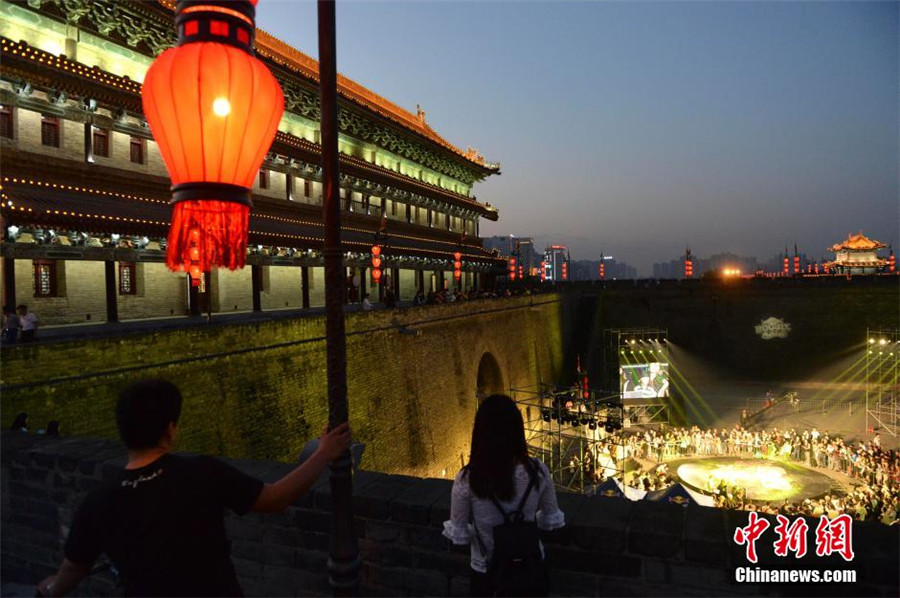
765, 480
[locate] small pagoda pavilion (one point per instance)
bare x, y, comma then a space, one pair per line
858, 254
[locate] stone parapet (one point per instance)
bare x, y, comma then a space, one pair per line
610, 547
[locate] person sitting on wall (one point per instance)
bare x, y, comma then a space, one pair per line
161, 519
419, 299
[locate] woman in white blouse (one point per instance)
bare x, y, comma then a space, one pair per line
500, 468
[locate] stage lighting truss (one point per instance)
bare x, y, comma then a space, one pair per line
882, 376
576, 437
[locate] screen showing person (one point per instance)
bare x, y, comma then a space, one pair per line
644, 381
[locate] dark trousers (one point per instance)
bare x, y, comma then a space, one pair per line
28, 336
480, 584
10, 335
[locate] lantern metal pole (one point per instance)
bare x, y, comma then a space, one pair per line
343, 560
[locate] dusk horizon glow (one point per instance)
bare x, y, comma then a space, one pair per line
637, 129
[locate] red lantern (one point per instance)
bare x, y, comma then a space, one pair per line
543, 271
376, 263
512, 268
213, 108
796, 264
892, 266
786, 265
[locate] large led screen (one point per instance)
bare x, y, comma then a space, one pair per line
644, 381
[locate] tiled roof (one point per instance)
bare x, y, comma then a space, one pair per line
286, 55
857, 242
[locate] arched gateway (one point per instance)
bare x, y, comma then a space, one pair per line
490, 378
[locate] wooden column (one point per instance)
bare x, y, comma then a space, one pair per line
289, 185
9, 282
420, 281
304, 286
256, 278
409, 210
112, 295
363, 283
395, 280
88, 142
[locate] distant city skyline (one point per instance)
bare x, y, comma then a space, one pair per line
637, 129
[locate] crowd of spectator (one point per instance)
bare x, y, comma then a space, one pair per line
450, 295
876, 498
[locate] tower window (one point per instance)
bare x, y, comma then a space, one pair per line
6, 121
50, 131
44, 278
101, 142
127, 277
137, 150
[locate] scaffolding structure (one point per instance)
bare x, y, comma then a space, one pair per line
882, 381
655, 414
572, 429
629, 346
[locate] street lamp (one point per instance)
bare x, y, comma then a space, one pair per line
343, 558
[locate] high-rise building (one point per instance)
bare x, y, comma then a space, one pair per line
556, 267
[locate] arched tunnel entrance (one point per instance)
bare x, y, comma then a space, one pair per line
490, 378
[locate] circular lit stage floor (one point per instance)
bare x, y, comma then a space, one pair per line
763, 479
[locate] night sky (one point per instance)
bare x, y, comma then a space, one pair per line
637, 128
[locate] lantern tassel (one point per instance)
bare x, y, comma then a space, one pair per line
222, 226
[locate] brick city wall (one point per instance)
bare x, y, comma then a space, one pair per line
259, 390
609, 547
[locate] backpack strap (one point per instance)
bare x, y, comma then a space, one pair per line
519, 510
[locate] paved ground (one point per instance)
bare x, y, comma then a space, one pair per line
104, 329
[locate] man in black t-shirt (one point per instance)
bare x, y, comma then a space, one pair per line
161, 520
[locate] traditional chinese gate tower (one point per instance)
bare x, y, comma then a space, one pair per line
858, 254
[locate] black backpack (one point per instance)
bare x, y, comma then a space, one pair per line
516, 567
